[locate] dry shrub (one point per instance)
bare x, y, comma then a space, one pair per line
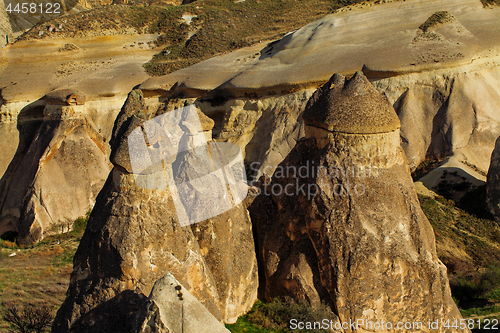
29, 318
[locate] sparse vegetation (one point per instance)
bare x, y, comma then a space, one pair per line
275, 316
68, 47
469, 246
217, 26
425, 167
34, 278
81, 223
490, 3
436, 19
462, 236
29, 318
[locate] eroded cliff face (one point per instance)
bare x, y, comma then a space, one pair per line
58, 170
55, 155
340, 221
443, 82
442, 76
448, 112
134, 236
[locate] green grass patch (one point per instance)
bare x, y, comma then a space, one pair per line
39, 272
469, 246
275, 316
80, 224
243, 325
484, 311
478, 238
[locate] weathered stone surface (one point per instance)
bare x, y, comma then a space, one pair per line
354, 107
345, 42
447, 112
134, 237
77, 166
493, 183
58, 170
442, 81
340, 222
171, 308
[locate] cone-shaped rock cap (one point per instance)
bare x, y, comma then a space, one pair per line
351, 106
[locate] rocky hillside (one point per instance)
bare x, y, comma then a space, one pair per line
100, 54
419, 80
135, 236
442, 78
337, 244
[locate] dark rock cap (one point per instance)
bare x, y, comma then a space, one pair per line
351, 106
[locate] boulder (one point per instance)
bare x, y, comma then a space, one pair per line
340, 221
493, 183
137, 231
171, 308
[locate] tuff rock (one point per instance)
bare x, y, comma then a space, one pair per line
340, 221
58, 170
134, 236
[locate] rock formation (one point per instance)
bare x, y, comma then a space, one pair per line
340, 221
443, 82
446, 98
56, 117
59, 168
493, 183
134, 235
171, 308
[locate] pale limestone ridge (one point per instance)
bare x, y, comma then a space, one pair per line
353, 106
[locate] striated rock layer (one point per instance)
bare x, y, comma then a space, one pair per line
340, 221
134, 237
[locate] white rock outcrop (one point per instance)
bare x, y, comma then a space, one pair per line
171, 308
